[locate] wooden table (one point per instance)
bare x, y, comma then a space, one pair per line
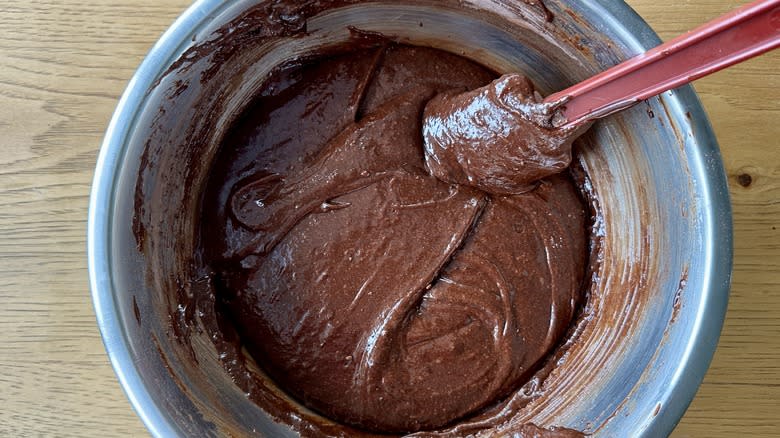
63, 65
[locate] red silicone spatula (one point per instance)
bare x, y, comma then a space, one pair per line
742, 34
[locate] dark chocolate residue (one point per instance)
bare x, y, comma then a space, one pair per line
136, 311
539, 4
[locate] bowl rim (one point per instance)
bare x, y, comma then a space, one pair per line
635, 34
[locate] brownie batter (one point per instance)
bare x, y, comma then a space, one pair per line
373, 292
500, 138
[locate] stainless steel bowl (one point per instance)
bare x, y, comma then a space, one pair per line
667, 247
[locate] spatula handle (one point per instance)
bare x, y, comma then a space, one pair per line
742, 34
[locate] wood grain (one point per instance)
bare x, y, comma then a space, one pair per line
63, 65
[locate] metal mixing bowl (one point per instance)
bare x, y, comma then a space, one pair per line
667, 246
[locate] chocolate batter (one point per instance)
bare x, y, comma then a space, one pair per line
500, 138
373, 292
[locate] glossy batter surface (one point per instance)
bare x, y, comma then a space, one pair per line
373, 292
501, 138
